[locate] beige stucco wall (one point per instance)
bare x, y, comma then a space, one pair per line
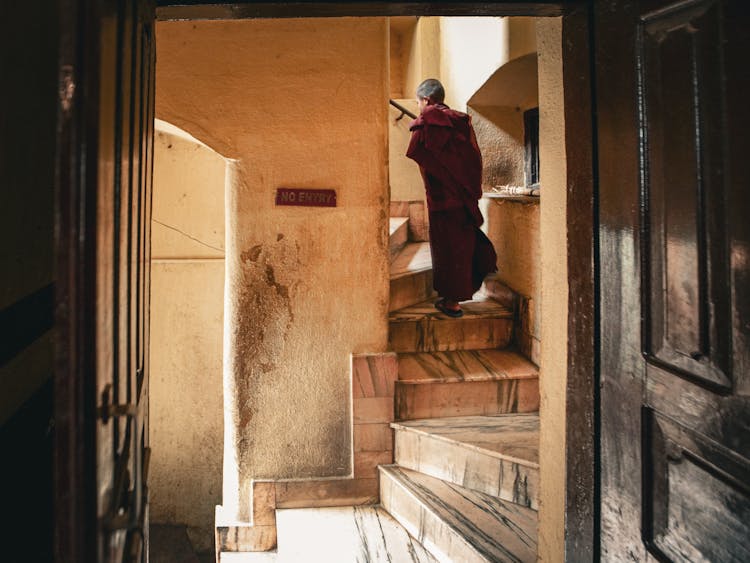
500, 135
187, 303
404, 177
473, 48
513, 227
296, 103
512, 85
188, 200
402, 30
554, 297
522, 38
412, 49
423, 56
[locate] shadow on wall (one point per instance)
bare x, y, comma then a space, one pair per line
187, 312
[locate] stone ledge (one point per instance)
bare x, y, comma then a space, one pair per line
512, 198
234, 536
326, 493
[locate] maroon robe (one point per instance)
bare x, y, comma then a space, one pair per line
445, 147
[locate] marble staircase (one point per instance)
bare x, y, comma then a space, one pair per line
465, 477
456, 523
495, 455
446, 435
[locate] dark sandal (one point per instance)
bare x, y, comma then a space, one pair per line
453, 313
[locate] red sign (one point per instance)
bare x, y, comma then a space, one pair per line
305, 197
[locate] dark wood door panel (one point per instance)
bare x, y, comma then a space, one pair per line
685, 276
738, 178
675, 431
722, 418
696, 495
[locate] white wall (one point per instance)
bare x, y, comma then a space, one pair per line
473, 48
187, 303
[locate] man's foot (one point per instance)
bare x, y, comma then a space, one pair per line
450, 308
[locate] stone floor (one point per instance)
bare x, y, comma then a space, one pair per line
170, 544
359, 534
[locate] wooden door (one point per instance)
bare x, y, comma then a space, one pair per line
672, 92
105, 168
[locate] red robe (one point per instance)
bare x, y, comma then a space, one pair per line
444, 145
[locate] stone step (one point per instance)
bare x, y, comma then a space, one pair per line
495, 455
458, 524
422, 328
398, 235
411, 276
417, 213
465, 382
344, 534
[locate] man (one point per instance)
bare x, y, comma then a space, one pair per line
445, 147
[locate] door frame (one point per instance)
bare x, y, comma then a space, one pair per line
581, 512
75, 309
77, 229
76, 186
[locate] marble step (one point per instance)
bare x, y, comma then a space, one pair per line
496, 455
458, 524
366, 534
422, 328
417, 213
411, 276
465, 382
398, 235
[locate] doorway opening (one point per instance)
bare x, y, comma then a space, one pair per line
310, 286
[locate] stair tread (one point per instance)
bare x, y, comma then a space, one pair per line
514, 437
496, 530
395, 223
475, 309
419, 368
485, 324
414, 257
